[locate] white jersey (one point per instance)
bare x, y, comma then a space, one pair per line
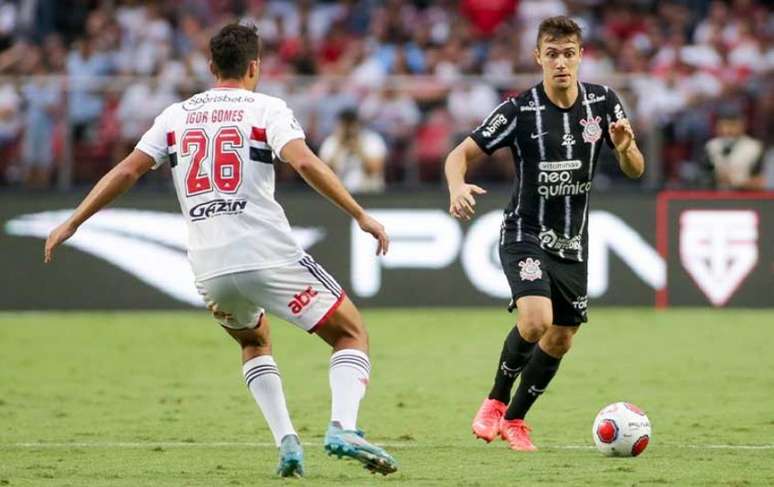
219, 144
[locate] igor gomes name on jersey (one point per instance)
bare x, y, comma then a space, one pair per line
220, 145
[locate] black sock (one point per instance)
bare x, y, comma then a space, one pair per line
539, 371
516, 352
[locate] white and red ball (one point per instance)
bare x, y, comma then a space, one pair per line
621, 430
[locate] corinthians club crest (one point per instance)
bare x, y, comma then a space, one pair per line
592, 131
530, 269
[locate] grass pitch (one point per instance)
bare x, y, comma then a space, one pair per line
105, 399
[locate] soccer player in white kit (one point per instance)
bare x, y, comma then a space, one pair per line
219, 145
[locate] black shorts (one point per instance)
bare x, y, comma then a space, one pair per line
531, 271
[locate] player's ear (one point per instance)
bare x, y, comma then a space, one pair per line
537, 56
212, 69
253, 68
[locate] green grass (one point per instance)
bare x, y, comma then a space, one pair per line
142, 398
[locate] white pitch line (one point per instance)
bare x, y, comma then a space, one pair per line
232, 444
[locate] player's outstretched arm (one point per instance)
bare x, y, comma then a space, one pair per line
319, 176
461, 199
630, 158
115, 182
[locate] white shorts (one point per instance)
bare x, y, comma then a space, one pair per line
302, 293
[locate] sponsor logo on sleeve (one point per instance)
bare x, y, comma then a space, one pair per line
498, 121
619, 114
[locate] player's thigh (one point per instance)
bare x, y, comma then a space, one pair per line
231, 308
524, 267
302, 292
569, 284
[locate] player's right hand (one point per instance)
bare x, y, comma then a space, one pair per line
462, 202
369, 225
55, 239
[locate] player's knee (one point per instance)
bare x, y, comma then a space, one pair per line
351, 328
532, 326
557, 344
345, 328
256, 341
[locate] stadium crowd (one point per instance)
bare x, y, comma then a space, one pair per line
84, 79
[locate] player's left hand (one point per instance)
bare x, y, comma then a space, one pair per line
369, 225
621, 134
56, 238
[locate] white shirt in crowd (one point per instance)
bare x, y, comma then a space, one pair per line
349, 165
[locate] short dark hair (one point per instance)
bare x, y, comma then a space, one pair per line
559, 27
348, 115
232, 49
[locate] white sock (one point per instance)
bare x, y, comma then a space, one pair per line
349, 374
263, 380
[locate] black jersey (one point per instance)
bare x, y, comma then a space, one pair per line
555, 151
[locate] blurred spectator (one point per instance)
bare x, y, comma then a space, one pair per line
356, 154
333, 99
487, 16
452, 61
139, 105
433, 142
84, 69
391, 111
43, 100
470, 102
8, 15
735, 158
10, 123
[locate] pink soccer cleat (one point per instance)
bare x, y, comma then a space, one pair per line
516, 433
487, 421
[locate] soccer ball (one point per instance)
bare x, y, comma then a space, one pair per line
621, 430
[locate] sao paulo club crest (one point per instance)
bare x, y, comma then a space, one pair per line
530, 269
592, 131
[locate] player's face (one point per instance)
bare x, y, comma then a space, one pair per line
560, 59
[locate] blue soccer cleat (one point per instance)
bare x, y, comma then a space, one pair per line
291, 463
348, 443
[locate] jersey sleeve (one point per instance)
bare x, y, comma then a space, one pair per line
498, 129
281, 128
154, 141
614, 111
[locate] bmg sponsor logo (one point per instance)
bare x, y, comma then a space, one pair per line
498, 121
219, 207
555, 179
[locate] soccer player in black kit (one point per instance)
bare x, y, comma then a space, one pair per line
555, 131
